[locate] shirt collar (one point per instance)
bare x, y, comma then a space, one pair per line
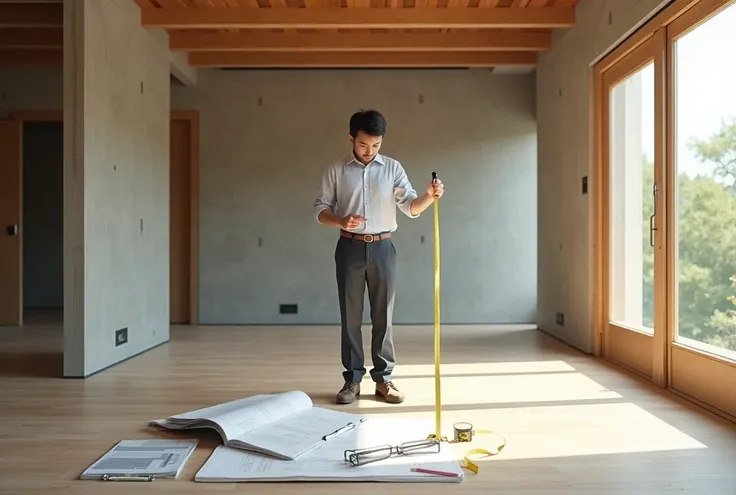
377, 159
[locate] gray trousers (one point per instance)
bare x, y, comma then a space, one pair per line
359, 264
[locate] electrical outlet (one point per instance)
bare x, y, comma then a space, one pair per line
560, 319
121, 336
289, 309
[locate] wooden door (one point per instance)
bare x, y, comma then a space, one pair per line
667, 140
633, 198
180, 222
11, 245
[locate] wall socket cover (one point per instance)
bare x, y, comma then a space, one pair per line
121, 336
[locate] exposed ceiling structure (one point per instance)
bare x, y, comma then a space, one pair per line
503, 34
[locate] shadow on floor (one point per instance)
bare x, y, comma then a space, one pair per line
32, 364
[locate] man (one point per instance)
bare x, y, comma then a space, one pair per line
359, 195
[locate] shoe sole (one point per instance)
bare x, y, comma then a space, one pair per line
390, 401
347, 401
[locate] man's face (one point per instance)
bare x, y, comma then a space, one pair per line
366, 147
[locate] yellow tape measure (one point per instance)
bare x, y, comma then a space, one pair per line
463, 432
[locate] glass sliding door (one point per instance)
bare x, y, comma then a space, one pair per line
632, 182
702, 168
666, 205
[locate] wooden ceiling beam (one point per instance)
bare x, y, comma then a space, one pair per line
31, 15
241, 59
370, 18
32, 58
360, 41
32, 38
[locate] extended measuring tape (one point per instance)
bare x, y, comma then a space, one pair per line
463, 432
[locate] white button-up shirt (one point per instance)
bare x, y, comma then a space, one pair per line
372, 191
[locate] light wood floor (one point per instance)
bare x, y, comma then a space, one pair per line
574, 424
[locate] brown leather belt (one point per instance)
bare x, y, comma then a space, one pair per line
366, 237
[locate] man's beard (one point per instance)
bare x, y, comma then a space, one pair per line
363, 158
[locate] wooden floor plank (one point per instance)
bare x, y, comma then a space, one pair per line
574, 424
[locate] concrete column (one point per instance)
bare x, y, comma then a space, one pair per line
116, 185
73, 105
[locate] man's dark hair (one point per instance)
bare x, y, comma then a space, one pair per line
369, 121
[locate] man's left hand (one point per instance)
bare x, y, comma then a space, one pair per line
436, 188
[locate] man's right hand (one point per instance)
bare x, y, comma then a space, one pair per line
351, 222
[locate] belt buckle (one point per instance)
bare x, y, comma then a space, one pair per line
366, 236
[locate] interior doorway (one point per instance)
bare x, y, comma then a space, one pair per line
43, 222
183, 217
33, 257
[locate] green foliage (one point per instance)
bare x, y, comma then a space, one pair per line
720, 150
706, 226
723, 323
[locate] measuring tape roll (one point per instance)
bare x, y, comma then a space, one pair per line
463, 432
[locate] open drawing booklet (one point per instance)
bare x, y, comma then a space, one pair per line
284, 425
328, 463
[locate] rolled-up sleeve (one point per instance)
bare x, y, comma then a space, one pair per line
327, 194
404, 192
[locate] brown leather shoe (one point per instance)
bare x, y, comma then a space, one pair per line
389, 392
348, 393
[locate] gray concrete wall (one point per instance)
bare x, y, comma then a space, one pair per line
116, 131
265, 139
566, 141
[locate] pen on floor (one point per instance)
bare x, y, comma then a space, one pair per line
433, 471
339, 431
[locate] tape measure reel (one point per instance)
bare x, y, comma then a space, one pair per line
463, 432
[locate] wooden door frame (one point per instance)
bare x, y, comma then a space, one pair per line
651, 29
711, 373
192, 118
20, 223
645, 354
654, 27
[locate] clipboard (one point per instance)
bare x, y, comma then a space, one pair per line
142, 460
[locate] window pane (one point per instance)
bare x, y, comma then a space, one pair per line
705, 141
631, 145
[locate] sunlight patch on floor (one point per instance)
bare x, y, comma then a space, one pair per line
563, 431
498, 389
416, 370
